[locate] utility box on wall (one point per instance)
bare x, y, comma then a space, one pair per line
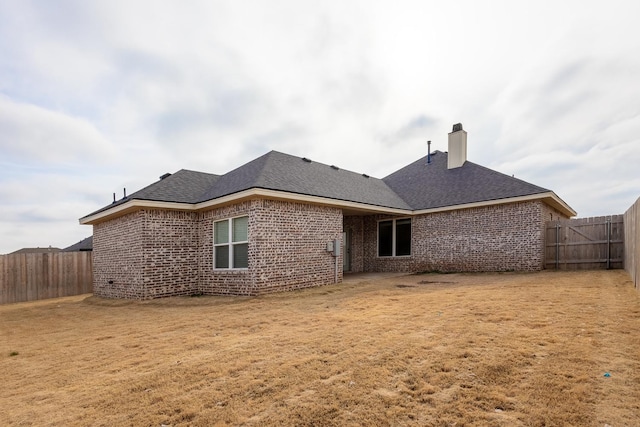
334, 247
330, 246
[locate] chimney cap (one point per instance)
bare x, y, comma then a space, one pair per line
457, 127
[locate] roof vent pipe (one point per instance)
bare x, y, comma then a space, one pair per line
125, 193
429, 152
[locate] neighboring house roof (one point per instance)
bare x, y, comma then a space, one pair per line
416, 187
81, 246
36, 250
433, 185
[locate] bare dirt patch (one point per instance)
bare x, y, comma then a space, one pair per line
432, 350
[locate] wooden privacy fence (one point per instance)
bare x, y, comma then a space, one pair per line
34, 276
632, 242
585, 243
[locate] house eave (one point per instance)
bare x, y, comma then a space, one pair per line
297, 197
136, 204
354, 207
549, 198
132, 206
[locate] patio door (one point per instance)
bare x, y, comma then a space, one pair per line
346, 250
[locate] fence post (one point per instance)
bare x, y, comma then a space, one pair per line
557, 246
608, 225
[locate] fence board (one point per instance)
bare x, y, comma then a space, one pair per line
585, 243
632, 242
33, 276
4, 291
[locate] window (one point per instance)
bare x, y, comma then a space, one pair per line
394, 237
230, 243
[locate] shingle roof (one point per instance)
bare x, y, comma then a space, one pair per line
36, 250
427, 186
416, 186
283, 172
82, 245
184, 186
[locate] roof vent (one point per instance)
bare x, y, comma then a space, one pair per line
166, 175
304, 159
365, 175
335, 167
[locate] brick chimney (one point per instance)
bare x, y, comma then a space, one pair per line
457, 147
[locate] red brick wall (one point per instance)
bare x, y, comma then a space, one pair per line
507, 237
146, 254
288, 244
117, 257
155, 253
170, 253
287, 248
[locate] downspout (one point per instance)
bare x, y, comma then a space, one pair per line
337, 246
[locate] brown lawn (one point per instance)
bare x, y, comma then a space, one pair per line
424, 350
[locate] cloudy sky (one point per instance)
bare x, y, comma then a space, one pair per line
97, 96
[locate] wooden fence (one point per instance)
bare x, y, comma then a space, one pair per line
585, 243
632, 242
34, 276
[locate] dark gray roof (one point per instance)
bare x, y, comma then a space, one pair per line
414, 187
184, 186
283, 172
427, 186
36, 250
82, 245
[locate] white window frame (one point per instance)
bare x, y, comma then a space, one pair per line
230, 243
393, 238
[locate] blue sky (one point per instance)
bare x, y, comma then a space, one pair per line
102, 95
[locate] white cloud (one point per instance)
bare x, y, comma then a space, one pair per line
29, 133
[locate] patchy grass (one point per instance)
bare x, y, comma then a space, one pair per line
436, 350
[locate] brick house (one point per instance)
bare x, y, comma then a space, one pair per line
269, 226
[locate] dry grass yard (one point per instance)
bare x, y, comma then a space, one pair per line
423, 350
